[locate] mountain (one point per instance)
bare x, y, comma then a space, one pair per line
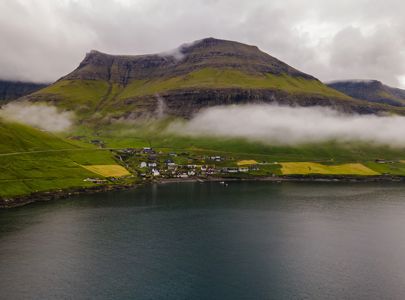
11, 90
205, 73
370, 90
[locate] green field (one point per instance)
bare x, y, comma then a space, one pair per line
305, 168
107, 170
31, 161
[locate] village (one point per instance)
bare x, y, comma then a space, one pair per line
149, 163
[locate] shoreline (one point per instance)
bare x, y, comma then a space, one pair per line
17, 201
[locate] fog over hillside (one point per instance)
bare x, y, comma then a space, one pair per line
293, 125
41, 116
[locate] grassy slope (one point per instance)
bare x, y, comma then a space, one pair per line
228, 78
58, 167
97, 98
82, 96
17, 138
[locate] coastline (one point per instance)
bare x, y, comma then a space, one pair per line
22, 200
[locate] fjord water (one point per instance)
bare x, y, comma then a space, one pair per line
249, 240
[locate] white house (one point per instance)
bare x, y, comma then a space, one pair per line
155, 172
143, 164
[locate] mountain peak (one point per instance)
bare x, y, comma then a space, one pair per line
205, 53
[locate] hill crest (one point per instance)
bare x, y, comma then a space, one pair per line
205, 53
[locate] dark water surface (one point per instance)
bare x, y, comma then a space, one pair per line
206, 241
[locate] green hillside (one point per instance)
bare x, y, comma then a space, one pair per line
19, 138
87, 97
31, 161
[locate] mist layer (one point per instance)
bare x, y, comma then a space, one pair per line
293, 125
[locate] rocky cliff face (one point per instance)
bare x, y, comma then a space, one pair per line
371, 90
206, 53
185, 103
11, 90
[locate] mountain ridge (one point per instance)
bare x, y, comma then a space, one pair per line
11, 90
205, 73
370, 90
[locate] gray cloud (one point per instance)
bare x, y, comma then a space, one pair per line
43, 40
41, 116
280, 125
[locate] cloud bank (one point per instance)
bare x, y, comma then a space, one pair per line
346, 39
37, 115
284, 125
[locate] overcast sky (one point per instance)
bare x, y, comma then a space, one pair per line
41, 40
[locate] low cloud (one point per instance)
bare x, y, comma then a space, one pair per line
179, 53
293, 125
37, 115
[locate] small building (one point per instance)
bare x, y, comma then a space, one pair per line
191, 173
143, 165
99, 143
152, 164
216, 158
155, 172
243, 169
95, 180
383, 161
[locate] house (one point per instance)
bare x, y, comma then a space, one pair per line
171, 166
95, 180
203, 168
152, 164
170, 163
99, 143
216, 158
143, 165
183, 175
243, 169
191, 173
173, 154
148, 150
383, 161
233, 170
229, 170
155, 172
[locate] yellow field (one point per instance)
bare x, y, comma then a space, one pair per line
303, 168
108, 170
247, 162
